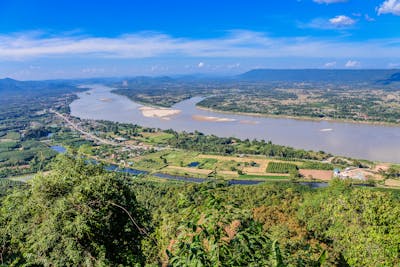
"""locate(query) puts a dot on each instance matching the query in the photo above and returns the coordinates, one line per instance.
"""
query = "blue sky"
(71, 39)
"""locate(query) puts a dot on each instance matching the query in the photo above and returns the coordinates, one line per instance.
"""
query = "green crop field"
(281, 167)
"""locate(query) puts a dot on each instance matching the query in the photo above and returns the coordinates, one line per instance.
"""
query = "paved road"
(96, 138)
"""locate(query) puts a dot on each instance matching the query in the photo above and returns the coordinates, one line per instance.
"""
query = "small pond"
(59, 149)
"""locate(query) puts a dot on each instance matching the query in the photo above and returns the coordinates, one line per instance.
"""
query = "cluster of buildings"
(350, 173)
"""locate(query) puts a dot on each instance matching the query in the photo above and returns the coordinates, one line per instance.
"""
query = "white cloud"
(368, 18)
(236, 44)
(329, 1)
(330, 64)
(394, 65)
(335, 23)
(342, 21)
(390, 7)
(200, 65)
(352, 64)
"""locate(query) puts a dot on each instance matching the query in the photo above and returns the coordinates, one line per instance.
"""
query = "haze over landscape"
(200, 133)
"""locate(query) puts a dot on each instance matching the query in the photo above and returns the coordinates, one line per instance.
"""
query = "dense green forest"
(81, 215)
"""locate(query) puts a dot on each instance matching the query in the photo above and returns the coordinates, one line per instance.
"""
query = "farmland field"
(281, 167)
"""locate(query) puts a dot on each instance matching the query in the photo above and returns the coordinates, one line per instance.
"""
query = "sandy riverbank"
(211, 119)
(249, 122)
(326, 130)
(162, 113)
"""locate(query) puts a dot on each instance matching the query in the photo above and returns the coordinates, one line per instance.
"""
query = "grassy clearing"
(165, 158)
(156, 138)
(12, 136)
(178, 172)
(149, 164)
(208, 163)
(152, 161)
(189, 170)
(395, 166)
(180, 158)
(21, 178)
(8, 145)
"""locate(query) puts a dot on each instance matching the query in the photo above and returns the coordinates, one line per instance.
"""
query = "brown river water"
(364, 141)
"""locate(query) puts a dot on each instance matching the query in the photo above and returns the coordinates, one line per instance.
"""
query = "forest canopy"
(80, 214)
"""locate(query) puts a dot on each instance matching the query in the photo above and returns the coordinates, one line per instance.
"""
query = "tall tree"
(77, 215)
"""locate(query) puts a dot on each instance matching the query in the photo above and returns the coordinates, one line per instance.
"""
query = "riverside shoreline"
(302, 118)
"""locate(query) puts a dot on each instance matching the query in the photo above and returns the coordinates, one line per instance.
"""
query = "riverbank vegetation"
(358, 105)
(356, 96)
(175, 153)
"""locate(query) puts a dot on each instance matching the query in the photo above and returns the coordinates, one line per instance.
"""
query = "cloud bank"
(236, 44)
(390, 7)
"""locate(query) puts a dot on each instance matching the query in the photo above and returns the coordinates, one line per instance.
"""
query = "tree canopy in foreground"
(73, 217)
(82, 215)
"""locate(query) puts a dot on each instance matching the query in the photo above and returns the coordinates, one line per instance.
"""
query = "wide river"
(373, 142)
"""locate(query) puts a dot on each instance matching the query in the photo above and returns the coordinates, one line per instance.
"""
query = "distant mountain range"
(319, 75)
(379, 76)
(299, 75)
(393, 78)
(10, 86)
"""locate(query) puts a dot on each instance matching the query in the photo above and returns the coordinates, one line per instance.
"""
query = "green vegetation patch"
(12, 136)
(317, 165)
(28, 150)
(268, 177)
(150, 164)
(179, 157)
(207, 164)
(125, 221)
(7, 185)
(7, 146)
(281, 167)
(70, 139)
(159, 138)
